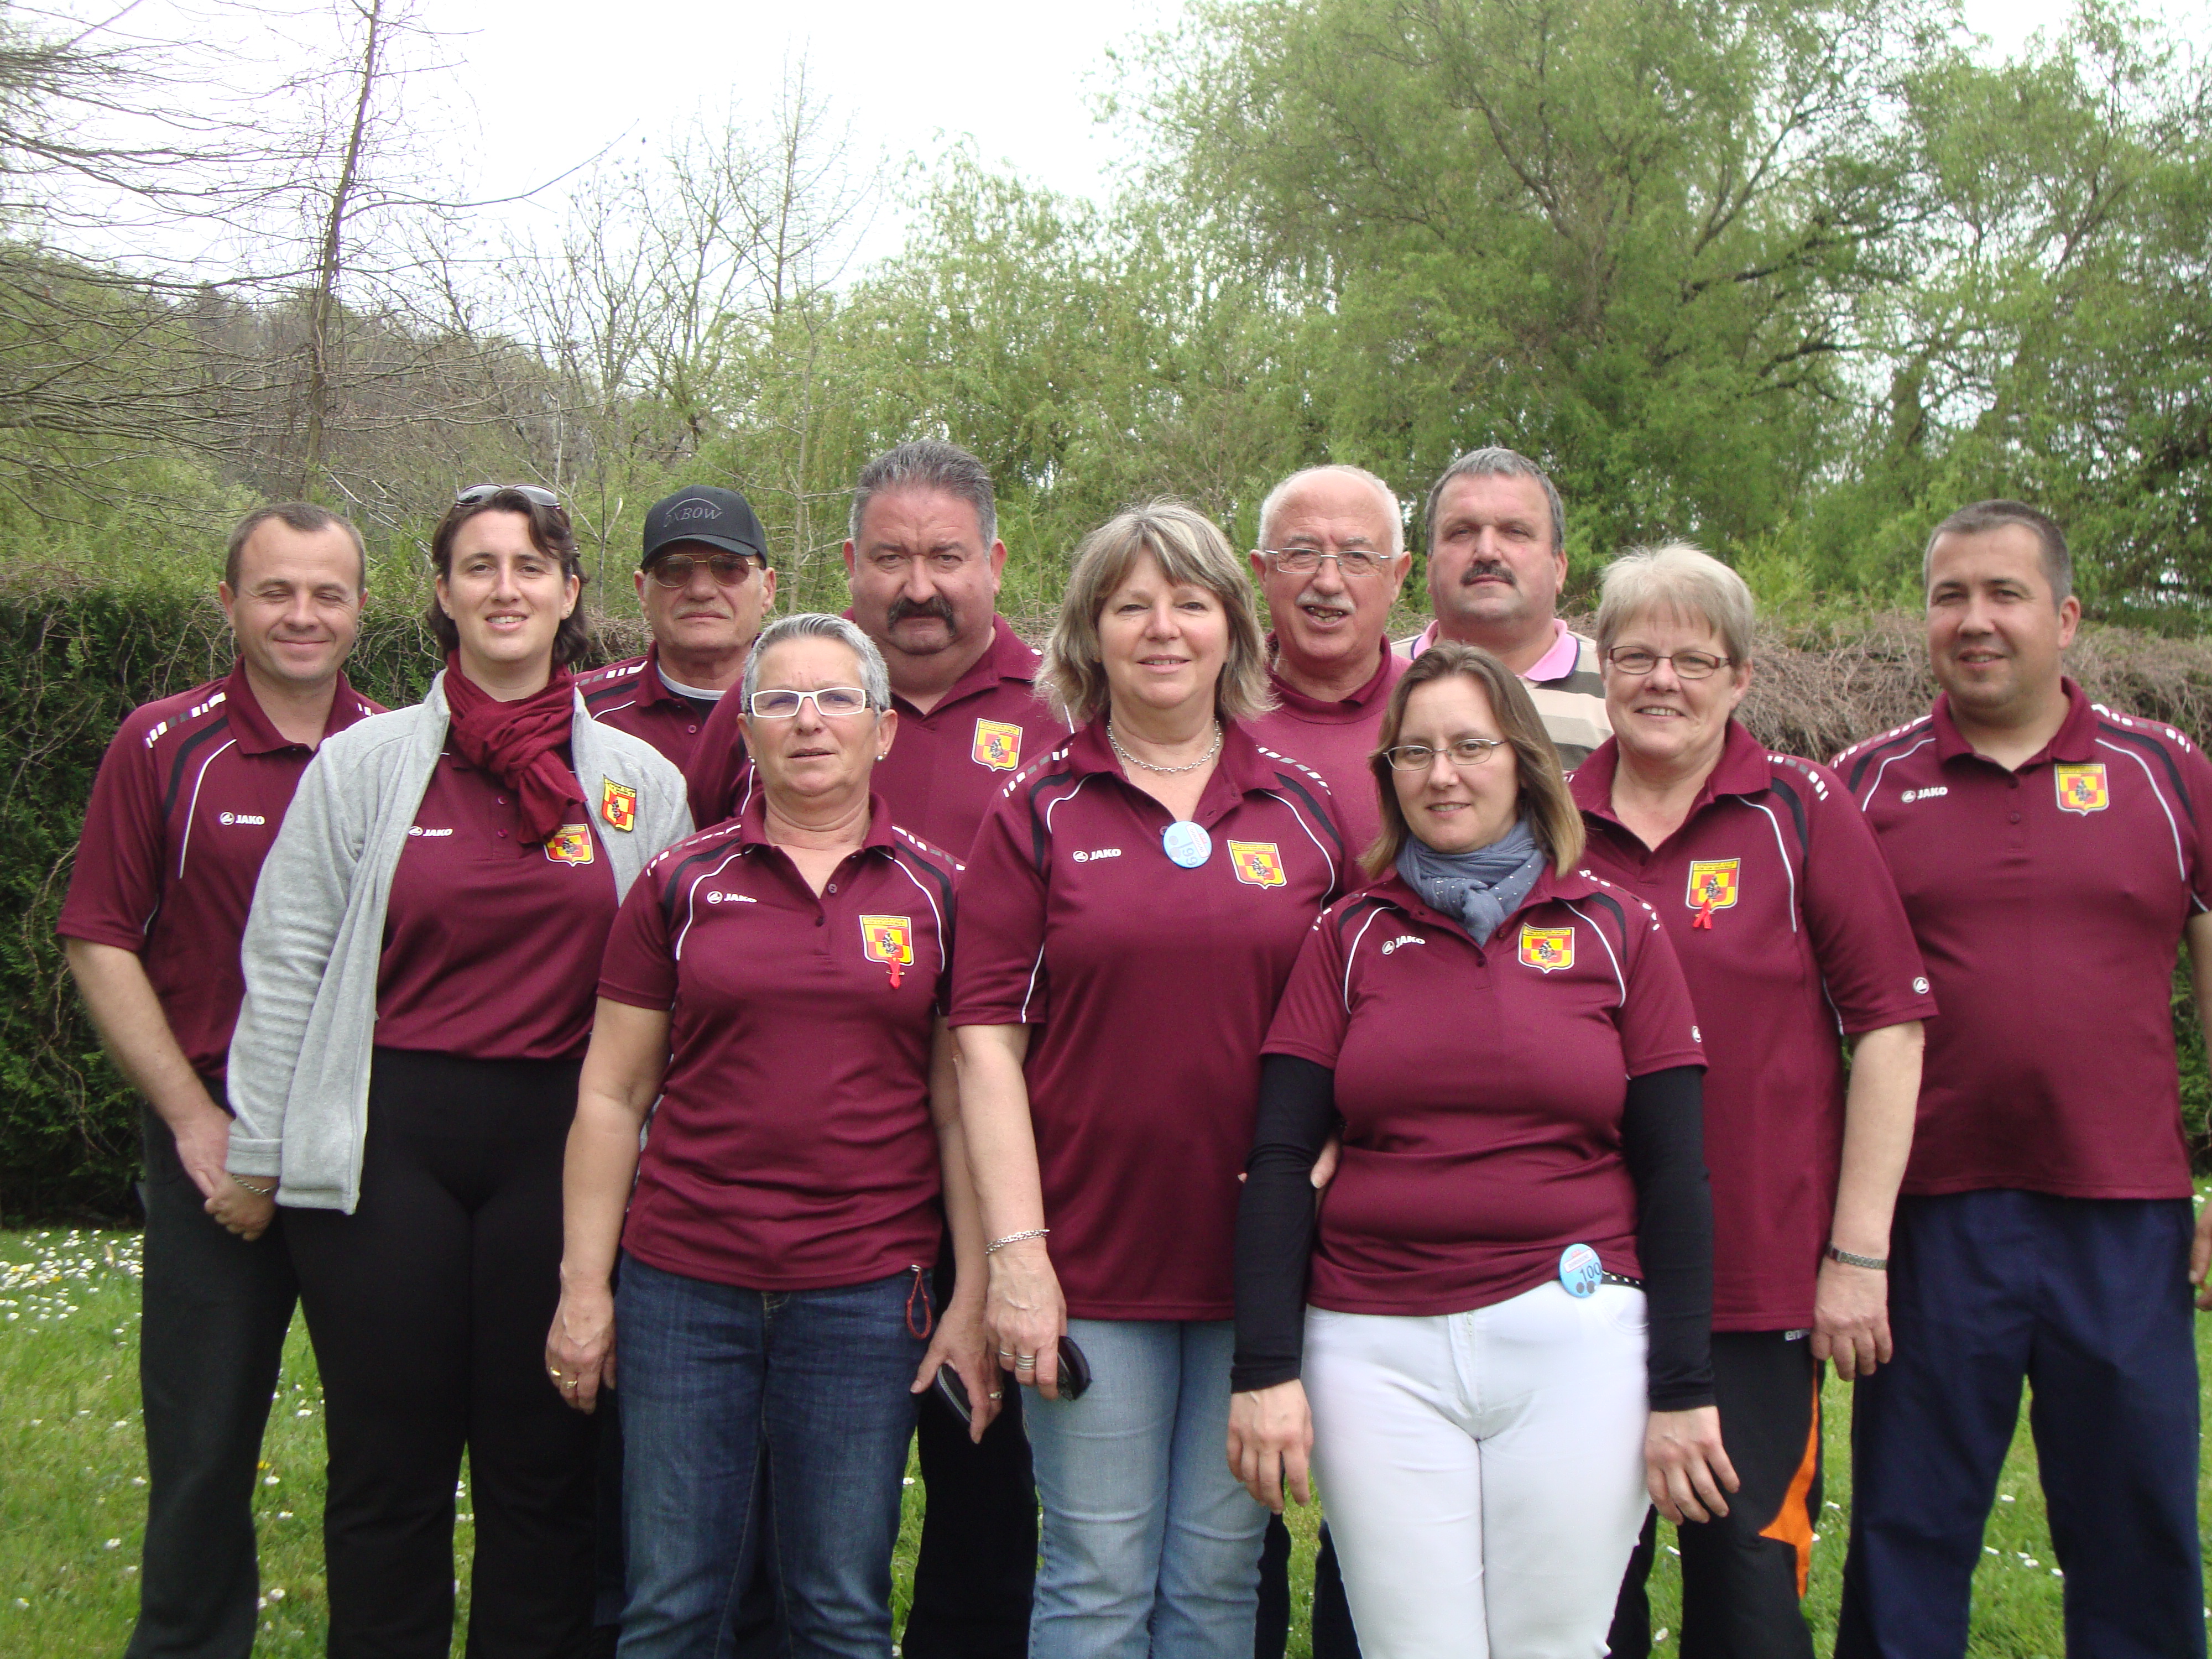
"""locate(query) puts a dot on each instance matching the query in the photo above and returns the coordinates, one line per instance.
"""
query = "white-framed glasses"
(831, 700)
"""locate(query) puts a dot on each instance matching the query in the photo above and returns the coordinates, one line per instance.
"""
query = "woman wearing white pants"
(1493, 1342)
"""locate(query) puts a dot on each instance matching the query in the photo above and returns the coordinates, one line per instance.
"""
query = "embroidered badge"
(619, 805)
(2082, 789)
(1712, 887)
(1549, 949)
(890, 940)
(1257, 863)
(570, 844)
(998, 746)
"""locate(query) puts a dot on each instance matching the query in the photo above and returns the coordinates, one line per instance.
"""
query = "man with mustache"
(705, 585)
(923, 563)
(1498, 558)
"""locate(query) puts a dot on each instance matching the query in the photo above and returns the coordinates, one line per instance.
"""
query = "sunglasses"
(484, 492)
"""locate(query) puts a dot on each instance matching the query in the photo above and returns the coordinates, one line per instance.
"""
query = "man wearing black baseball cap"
(706, 586)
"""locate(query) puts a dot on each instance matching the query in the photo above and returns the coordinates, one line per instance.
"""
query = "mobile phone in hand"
(954, 1392)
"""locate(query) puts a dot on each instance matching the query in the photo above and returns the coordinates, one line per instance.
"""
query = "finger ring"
(998, 1394)
(1005, 1354)
(555, 1375)
(1022, 1361)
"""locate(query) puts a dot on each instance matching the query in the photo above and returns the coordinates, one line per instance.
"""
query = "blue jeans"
(1150, 1547)
(708, 1373)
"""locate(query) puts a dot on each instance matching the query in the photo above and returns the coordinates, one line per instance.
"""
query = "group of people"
(1209, 1064)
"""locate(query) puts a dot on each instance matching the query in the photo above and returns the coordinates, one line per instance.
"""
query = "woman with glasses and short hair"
(777, 984)
(420, 961)
(1494, 1335)
(1781, 908)
(1130, 911)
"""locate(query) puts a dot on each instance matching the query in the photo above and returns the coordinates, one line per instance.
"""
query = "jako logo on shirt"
(417, 829)
(730, 898)
(1403, 938)
(1103, 852)
(1910, 795)
(239, 818)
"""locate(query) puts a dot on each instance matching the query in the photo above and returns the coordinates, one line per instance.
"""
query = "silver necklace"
(1164, 771)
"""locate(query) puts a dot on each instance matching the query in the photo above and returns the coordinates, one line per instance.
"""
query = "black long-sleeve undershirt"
(1662, 1142)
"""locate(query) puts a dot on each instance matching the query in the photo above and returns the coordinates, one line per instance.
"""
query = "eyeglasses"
(1305, 561)
(674, 569)
(1689, 664)
(831, 700)
(484, 492)
(1462, 752)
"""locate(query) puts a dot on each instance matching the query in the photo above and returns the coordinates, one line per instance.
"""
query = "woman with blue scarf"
(1491, 1339)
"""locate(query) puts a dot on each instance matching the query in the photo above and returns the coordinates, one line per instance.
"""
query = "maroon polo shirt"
(1151, 987)
(1782, 915)
(1481, 1086)
(793, 1148)
(2049, 903)
(1335, 739)
(631, 697)
(491, 942)
(186, 805)
(946, 768)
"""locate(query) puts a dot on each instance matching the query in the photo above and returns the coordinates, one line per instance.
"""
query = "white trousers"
(1483, 1472)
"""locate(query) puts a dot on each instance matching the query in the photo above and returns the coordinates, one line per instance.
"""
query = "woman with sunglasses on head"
(1788, 925)
(1492, 1341)
(1131, 911)
(777, 985)
(419, 962)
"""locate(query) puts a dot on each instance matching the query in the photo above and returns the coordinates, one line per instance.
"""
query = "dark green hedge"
(74, 658)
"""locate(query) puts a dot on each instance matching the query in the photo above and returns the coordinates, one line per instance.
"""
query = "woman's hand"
(1271, 1443)
(1686, 1468)
(1024, 1314)
(1850, 1319)
(244, 1212)
(580, 1349)
(962, 1343)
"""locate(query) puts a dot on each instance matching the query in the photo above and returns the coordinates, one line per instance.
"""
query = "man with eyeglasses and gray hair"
(705, 585)
(1498, 558)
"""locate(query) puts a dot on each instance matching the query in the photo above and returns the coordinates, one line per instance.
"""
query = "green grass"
(72, 1483)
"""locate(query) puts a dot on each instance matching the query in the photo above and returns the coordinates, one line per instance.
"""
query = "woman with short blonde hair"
(1128, 916)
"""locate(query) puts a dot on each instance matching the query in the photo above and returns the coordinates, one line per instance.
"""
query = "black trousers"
(210, 1345)
(977, 1570)
(1743, 1576)
(429, 1307)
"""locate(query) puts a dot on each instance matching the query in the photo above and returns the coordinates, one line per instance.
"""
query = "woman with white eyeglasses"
(777, 983)
(1496, 1332)
(419, 962)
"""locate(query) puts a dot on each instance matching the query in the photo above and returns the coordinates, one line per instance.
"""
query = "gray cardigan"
(299, 1062)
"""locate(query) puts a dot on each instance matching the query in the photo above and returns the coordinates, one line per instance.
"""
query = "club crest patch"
(1549, 949)
(1712, 887)
(617, 805)
(1257, 863)
(2083, 789)
(998, 746)
(890, 940)
(570, 844)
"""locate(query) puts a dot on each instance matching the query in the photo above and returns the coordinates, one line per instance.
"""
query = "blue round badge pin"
(1186, 843)
(1580, 1271)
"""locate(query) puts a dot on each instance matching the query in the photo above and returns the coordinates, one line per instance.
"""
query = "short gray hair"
(1497, 462)
(1386, 497)
(1983, 517)
(927, 464)
(1679, 577)
(875, 678)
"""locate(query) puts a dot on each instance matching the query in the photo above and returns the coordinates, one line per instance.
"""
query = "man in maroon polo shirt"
(185, 806)
(1331, 560)
(1498, 558)
(705, 585)
(2051, 856)
(923, 563)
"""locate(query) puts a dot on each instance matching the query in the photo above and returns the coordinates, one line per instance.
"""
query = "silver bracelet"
(1877, 1263)
(999, 1245)
(270, 1191)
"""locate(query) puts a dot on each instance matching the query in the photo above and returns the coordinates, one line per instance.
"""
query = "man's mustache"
(935, 605)
(1487, 567)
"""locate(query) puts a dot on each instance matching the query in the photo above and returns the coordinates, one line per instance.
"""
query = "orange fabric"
(1794, 1525)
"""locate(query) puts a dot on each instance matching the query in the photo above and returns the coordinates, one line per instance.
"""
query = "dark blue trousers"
(2089, 1299)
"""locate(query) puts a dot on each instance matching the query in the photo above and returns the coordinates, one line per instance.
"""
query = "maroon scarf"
(520, 744)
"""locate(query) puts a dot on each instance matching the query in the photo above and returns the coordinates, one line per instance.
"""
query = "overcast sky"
(545, 84)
